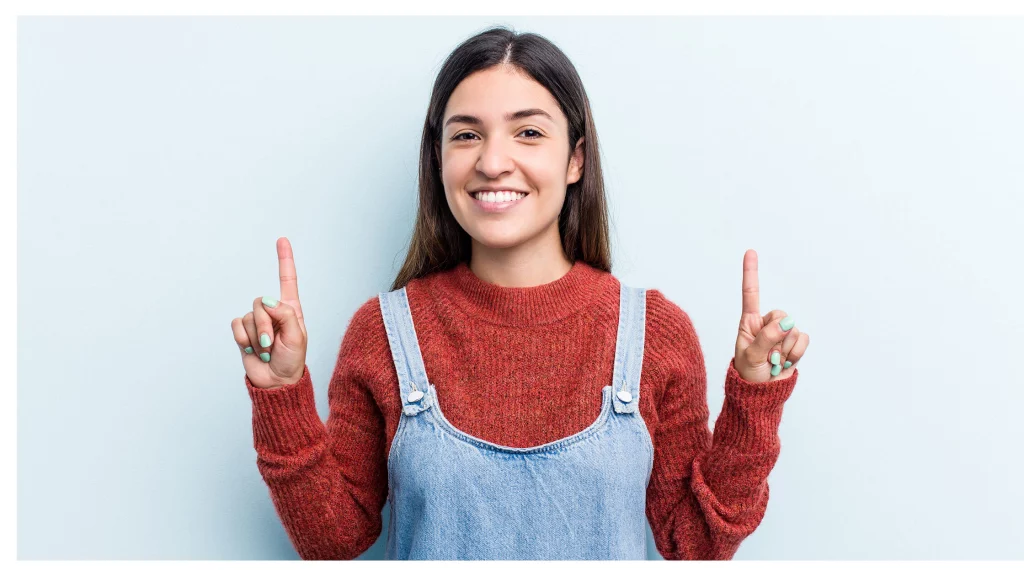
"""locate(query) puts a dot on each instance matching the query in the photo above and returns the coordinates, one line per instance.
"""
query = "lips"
(476, 193)
(497, 206)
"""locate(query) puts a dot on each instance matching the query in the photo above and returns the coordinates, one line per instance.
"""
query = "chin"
(499, 244)
(498, 241)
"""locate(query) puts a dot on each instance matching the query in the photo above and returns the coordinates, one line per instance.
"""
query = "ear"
(575, 169)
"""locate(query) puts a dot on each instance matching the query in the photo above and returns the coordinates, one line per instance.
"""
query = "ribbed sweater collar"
(530, 306)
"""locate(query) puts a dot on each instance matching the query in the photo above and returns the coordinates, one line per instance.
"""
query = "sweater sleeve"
(708, 492)
(328, 482)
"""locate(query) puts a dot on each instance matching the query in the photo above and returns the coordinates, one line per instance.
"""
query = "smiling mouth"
(497, 203)
(498, 197)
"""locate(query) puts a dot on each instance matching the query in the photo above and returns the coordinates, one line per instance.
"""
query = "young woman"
(509, 397)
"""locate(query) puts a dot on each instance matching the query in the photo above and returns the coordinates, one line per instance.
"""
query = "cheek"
(549, 181)
(457, 168)
(545, 168)
(552, 201)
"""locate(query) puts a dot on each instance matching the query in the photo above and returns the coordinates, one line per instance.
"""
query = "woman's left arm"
(708, 492)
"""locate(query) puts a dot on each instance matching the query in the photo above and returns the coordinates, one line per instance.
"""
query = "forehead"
(492, 93)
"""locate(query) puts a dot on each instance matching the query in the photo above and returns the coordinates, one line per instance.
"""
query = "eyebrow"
(467, 119)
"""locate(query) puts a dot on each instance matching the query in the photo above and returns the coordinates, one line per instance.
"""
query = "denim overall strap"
(405, 351)
(629, 348)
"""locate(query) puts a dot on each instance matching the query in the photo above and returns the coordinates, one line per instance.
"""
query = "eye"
(459, 137)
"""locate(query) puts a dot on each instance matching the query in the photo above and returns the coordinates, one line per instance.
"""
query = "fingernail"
(270, 301)
(787, 364)
(776, 358)
(265, 356)
(264, 340)
(786, 323)
(248, 349)
(776, 369)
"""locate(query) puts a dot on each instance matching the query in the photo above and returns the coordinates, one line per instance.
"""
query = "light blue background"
(875, 164)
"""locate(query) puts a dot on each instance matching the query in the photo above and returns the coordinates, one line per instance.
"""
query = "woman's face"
(483, 147)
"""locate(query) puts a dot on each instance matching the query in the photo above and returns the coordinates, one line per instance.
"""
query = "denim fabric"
(455, 496)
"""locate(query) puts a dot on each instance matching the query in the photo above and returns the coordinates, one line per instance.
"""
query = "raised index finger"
(751, 298)
(286, 270)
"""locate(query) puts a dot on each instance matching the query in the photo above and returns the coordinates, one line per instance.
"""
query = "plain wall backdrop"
(874, 163)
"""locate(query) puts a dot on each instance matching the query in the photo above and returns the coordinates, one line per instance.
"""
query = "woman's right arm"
(328, 483)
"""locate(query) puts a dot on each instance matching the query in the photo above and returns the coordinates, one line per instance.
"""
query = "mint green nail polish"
(265, 356)
(787, 364)
(264, 340)
(786, 323)
(776, 358)
(270, 301)
(248, 349)
(776, 369)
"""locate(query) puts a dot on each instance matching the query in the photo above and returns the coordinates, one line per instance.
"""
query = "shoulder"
(664, 314)
(670, 337)
(364, 349)
(365, 337)
(368, 319)
(368, 316)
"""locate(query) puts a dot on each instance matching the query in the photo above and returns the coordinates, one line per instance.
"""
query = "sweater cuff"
(285, 420)
(752, 412)
(759, 396)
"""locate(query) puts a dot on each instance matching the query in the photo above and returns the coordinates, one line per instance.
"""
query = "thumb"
(286, 323)
(770, 336)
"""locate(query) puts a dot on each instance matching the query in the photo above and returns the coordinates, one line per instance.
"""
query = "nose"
(495, 158)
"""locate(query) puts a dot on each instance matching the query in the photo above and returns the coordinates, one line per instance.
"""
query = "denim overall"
(454, 496)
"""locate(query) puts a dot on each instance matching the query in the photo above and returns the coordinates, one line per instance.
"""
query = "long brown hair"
(438, 241)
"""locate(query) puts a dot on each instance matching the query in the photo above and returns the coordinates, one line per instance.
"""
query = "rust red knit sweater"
(520, 367)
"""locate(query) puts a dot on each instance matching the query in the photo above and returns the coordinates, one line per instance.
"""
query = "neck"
(529, 264)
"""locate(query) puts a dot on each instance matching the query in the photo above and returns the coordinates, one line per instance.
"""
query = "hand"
(762, 336)
(282, 360)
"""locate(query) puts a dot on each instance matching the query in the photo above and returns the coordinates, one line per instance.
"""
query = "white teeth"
(498, 197)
